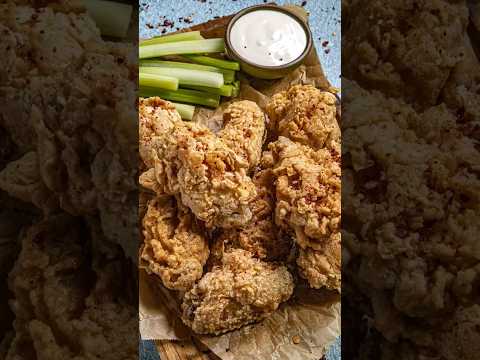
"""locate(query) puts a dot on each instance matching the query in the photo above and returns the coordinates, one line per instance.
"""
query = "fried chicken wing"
(308, 206)
(240, 291)
(157, 120)
(322, 267)
(244, 130)
(213, 180)
(305, 115)
(406, 49)
(69, 304)
(261, 236)
(189, 160)
(175, 247)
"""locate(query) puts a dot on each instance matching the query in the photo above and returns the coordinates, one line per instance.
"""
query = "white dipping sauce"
(268, 38)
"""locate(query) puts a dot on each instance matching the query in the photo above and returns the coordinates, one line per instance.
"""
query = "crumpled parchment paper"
(302, 328)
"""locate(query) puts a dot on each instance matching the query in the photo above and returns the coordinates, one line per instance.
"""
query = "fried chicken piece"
(77, 112)
(322, 268)
(411, 192)
(244, 130)
(157, 120)
(305, 115)
(240, 291)
(195, 163)
(307, 191)
(261, 236)
(175, 247)
(212, 179)
(308, 206)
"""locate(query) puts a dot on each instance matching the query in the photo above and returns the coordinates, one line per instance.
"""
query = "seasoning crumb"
(325, 43)
(296, 339)
(334, 34)
(304, 3)
(327, 51)
(150, 26)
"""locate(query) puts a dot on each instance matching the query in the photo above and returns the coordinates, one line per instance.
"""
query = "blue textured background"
(325, 17)
(325, 23)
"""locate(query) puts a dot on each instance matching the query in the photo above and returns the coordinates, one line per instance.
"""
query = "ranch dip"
(268, 38)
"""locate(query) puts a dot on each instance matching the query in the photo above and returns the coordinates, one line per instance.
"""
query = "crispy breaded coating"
(306, 115)
(157, 146)
(68, 303)
(406, 49)
(240, 291)
(261, 236)
(175, 247)
(244, 130)
(213, 180)
(322, 268)
(308, 206)
(413, 217)
(307, 191)
(191, 161)
(157, 120)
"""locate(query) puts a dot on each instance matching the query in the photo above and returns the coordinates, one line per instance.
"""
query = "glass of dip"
(268, 41)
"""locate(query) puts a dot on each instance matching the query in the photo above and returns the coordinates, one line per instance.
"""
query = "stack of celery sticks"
(176, 68)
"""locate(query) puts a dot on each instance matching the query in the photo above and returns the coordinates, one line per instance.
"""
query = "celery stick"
(182, 95)
(236, 88)
(182, 47)
(206, 60)
(158, 81)
(228, 75)
(225, 90)
(185, 111)
(112, 18)
(185, 36)
(187, 77)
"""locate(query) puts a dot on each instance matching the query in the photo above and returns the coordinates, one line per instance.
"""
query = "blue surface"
(325, 24)
(324, 18)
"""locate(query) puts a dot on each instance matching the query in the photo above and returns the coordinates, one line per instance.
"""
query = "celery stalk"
(236, 88)
(186, 76)
(228, 75)
(182, 95)
(184, 36)
(112, 18)
(158, 81)
(185, 111)
(225, 90)
(182, 47)
(206, 60)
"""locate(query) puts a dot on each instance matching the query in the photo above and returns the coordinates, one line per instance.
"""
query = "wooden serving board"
(183, 350)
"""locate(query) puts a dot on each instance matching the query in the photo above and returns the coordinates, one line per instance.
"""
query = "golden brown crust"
(308, 206)
(240, 291)
(175, 247)
(306, 115)
(244, 130)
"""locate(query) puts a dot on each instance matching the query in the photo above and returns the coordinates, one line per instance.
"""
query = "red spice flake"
(325, 43)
